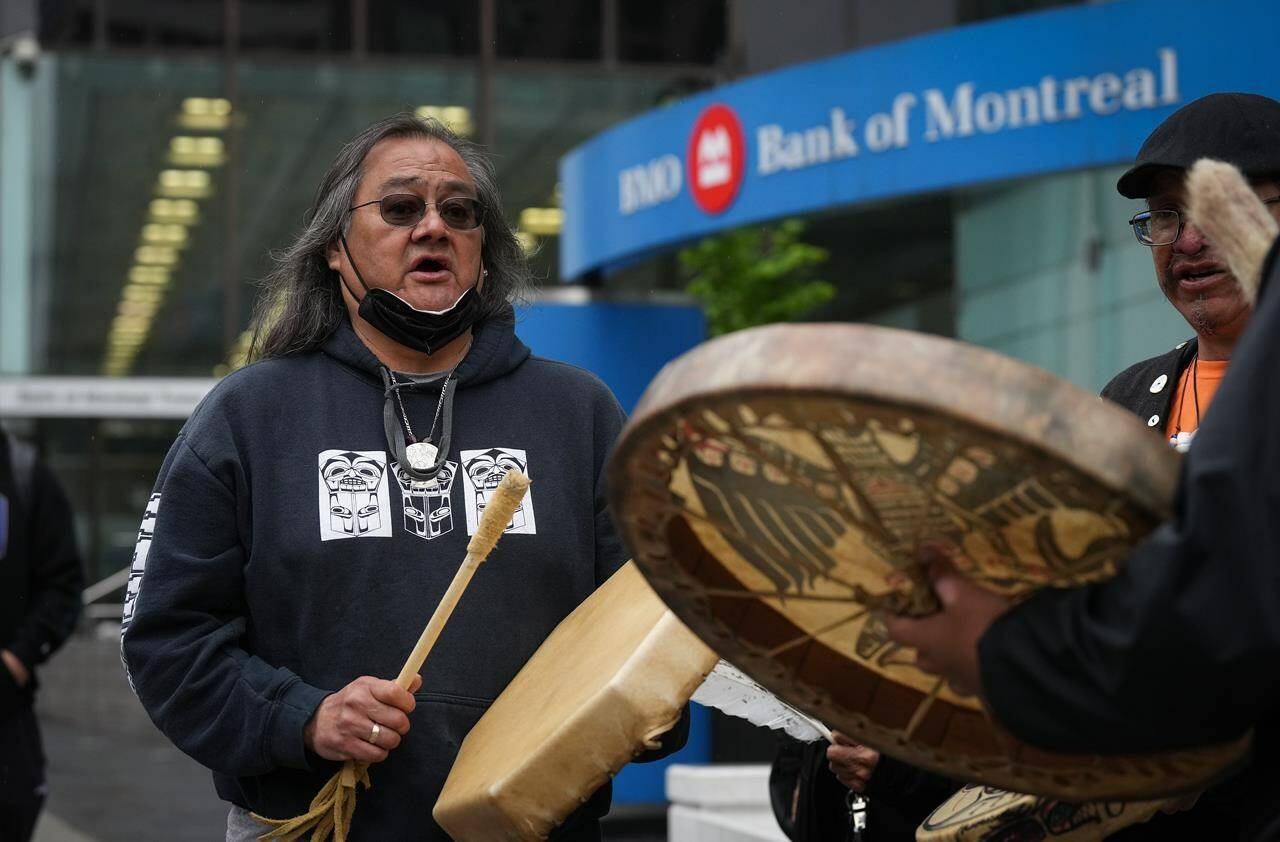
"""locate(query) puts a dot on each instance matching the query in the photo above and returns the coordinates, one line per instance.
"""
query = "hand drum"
(776, 485)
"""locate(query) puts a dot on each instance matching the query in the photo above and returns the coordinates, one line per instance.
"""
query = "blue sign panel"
(1060, 90)
(625, 344)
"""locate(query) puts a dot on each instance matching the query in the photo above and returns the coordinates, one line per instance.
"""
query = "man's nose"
(1190, 241)
(431, 226)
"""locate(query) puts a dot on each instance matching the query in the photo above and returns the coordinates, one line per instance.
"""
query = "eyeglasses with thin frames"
(1164, 227)
(405, 210)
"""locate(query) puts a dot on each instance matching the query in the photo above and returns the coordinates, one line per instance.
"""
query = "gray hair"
(301, 304)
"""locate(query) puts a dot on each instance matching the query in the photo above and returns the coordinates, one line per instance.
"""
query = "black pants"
(18, 821)
(21, 769)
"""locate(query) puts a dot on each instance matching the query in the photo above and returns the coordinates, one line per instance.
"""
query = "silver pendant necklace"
(422, 454)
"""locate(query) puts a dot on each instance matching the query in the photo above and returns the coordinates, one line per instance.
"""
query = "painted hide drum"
(776, 485)
(612, 677)
(984, 814)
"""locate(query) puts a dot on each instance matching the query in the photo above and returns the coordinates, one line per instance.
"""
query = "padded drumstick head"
(497, 514)
(1223, 205)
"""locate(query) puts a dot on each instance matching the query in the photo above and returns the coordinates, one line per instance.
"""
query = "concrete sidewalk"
(109, 787)
(113, 777)
(53, 829)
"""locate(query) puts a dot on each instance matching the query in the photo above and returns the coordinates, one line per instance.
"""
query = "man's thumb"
(902, 630)
(946, 583)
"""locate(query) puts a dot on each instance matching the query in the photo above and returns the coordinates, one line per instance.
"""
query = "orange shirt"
(1183, 416)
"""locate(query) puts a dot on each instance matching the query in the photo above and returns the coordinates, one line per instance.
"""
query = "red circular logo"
(716, 158)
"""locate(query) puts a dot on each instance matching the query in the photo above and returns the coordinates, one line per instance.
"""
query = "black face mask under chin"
(423, 330)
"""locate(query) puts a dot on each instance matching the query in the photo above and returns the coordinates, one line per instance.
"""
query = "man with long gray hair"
(318, 502)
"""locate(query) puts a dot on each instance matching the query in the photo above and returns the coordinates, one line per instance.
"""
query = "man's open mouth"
(430, 264)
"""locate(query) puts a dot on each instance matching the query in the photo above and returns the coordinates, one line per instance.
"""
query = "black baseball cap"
(1241, 129)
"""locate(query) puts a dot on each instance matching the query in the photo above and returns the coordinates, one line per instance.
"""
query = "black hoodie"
(280, 559)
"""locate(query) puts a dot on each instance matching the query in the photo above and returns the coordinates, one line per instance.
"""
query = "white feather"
(730, 690)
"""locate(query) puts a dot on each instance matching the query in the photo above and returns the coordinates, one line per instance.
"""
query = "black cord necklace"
(1195, 386)
(1182, 440)
(1195, 393)
(420, 458)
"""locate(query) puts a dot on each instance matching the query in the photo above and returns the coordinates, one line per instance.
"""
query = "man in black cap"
(1171, 392)
(1181, 648)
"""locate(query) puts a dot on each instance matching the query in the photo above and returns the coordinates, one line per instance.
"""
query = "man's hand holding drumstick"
(363, 721)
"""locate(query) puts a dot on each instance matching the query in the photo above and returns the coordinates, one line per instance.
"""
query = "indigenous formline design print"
(482, 470)
(354, 498)
(137, 567)
(427, 506)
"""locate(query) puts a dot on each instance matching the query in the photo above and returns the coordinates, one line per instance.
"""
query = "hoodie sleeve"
(184, 616)
(610, 552)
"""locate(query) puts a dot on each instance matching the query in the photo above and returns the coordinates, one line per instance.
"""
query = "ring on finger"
(373, 735)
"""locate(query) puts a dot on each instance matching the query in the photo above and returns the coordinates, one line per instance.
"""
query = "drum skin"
(982, 814)
(612, 677)
(777, 484)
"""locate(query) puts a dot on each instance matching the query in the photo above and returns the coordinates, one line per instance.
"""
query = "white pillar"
(720, 803)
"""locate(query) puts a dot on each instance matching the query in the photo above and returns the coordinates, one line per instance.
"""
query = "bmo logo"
(650, 184)
(716, 159)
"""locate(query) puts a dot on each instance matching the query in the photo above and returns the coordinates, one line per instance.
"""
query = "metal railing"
(96, 591)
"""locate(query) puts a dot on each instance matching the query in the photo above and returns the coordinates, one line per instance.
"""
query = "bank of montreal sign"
(1040, 93)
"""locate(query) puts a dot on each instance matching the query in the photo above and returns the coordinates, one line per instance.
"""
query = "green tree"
(754, 276)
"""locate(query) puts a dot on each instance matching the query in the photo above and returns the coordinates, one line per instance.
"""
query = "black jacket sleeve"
(902, 796)
(1180, 649)
(57, 575)
(807, 800)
